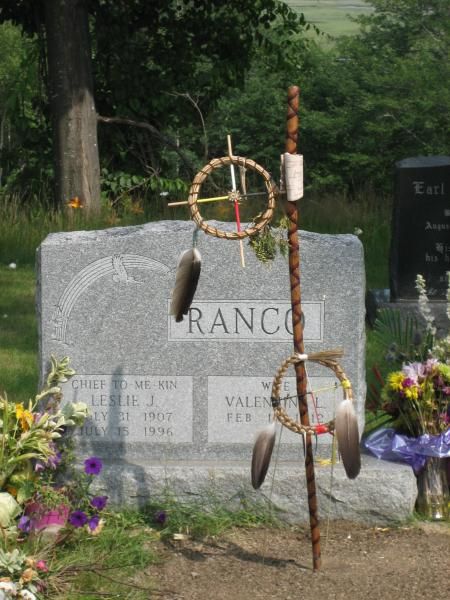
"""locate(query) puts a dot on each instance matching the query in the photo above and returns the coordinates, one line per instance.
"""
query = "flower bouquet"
(28, 436)
(416, 398)
(72, 504)
(21, 575)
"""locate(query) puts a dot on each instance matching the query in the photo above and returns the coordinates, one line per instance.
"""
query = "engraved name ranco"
(246, 321)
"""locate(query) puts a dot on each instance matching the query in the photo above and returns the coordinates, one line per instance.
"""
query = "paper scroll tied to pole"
(293, 176)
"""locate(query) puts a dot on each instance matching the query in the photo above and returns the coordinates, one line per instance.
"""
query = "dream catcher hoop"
(233, 196)
(189, 264)
(344, 425)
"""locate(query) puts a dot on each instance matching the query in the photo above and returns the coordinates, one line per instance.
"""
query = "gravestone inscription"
(161, 392)
(420, 241)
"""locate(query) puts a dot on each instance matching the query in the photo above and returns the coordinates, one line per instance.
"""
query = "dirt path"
(358, 563)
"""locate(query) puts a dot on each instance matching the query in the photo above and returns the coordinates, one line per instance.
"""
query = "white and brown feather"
(347, 433)
(186, 280)
(262, 453)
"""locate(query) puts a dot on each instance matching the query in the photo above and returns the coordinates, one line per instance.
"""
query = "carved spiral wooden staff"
(299, 347)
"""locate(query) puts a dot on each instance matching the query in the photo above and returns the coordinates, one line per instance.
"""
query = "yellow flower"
(395, 381)
(30, 561)
(28, 575)
(11, 490)
(411, 393)
(24, 416)
(75, 202)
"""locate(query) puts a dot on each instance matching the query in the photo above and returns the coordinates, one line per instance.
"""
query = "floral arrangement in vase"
(415, 398)
(54, 507)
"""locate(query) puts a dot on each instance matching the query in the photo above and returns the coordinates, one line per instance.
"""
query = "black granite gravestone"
(420, 240)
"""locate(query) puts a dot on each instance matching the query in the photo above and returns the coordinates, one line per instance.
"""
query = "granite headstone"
(420, 241)
(178, 404)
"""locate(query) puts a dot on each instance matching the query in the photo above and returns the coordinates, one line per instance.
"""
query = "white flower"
(12, 265)
(8, 589)
(27, 595)
(424, 306)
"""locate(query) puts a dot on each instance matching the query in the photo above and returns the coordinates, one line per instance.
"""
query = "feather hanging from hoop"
(262, 453)
(186, 279)
(346, 426)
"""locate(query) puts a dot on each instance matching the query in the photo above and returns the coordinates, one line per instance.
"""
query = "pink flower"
(430, 364)
(413, 371)
(41, 565)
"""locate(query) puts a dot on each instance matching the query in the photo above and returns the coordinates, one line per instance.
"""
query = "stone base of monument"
(383, 493)
(380, 298)
(438, 310)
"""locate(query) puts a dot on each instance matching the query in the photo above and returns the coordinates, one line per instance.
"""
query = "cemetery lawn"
(18, 333)
(358, 562)
(331, 16)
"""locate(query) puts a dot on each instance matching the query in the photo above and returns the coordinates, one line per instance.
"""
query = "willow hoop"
(279, 412)
(200, 178)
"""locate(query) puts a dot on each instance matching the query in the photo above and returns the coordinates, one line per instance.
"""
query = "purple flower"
(25, 524)
(93, 465)
(93, 522)
(54, 460)
(99, 502)
(408, 382)
(160, 517)
(78, 518)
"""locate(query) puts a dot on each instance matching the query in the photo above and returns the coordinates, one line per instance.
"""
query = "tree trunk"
(74, 118)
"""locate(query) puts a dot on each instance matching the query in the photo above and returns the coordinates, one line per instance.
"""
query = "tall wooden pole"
(294, 274)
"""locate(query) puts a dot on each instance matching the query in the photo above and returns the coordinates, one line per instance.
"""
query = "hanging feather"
(262, 452)
(186, 279)
(346, 426)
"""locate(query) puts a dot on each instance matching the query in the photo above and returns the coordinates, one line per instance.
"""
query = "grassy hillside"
(331, 16)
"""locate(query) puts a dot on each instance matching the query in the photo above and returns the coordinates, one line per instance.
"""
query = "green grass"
(208, 516)
(331, 16)
(22, 228)
(369, 214)
(108, 565)
(18, 333)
